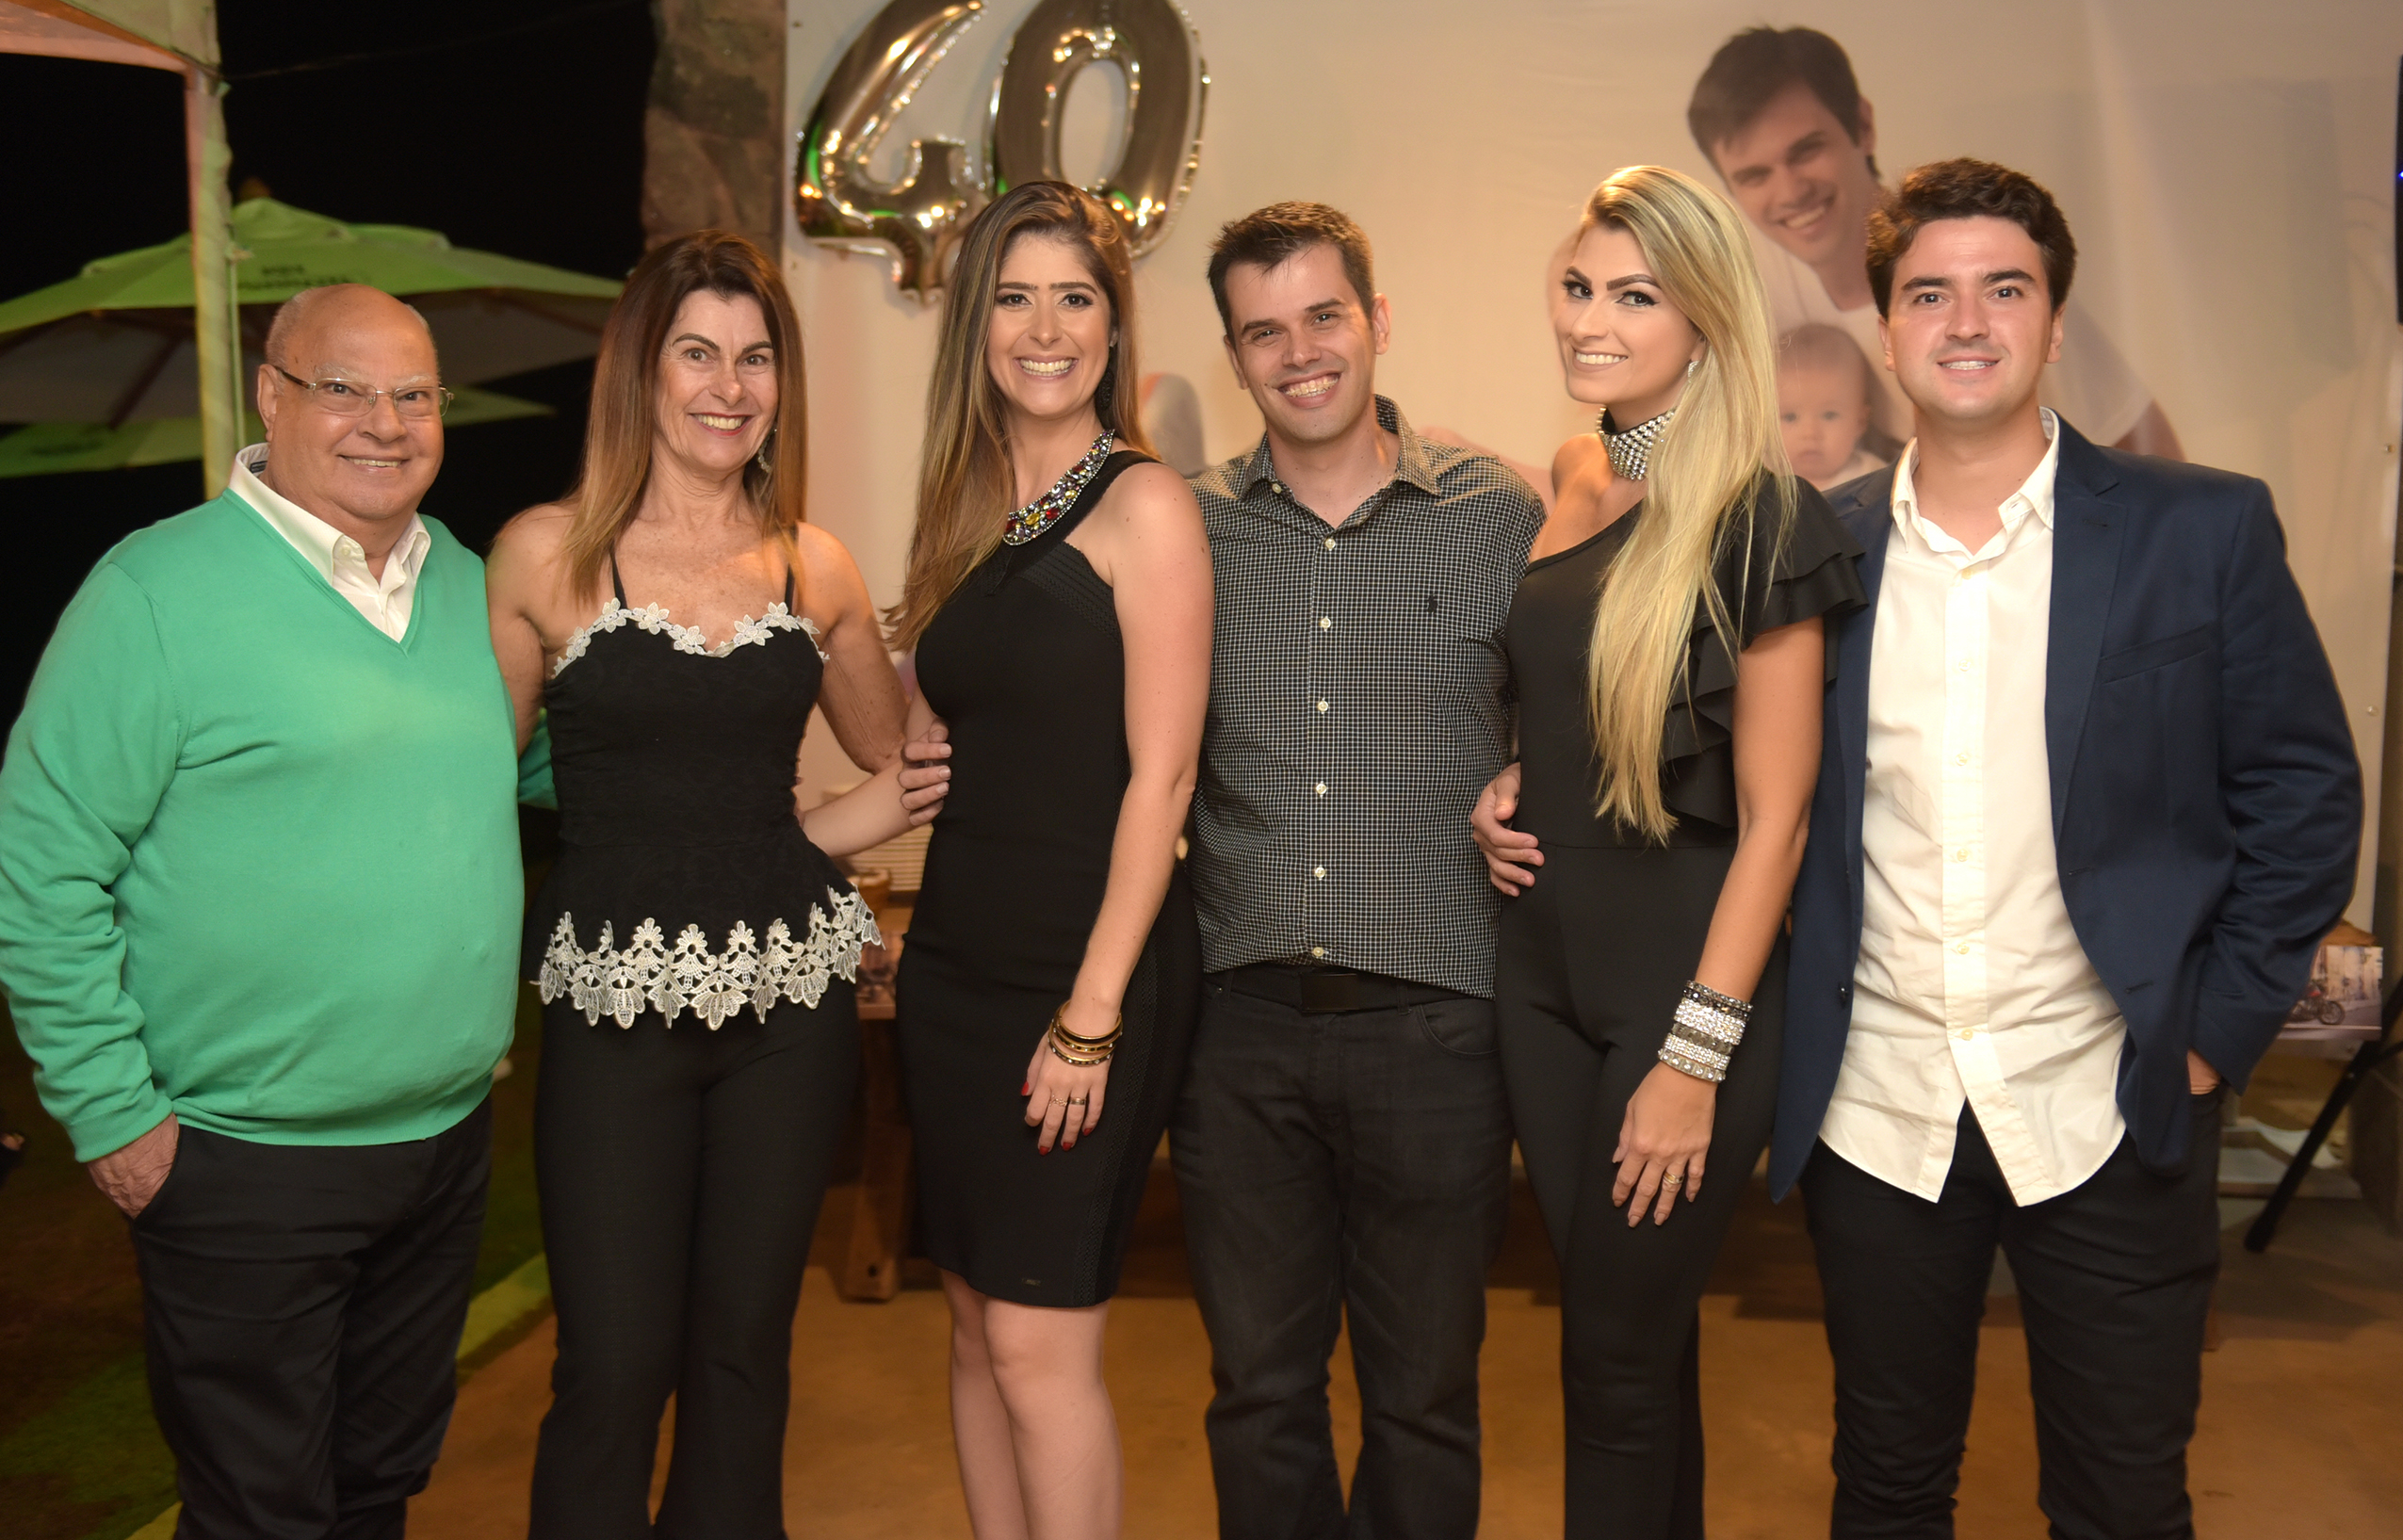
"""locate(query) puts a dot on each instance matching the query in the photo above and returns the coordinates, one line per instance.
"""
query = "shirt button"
(1961, 854)
(1318, 952)
(1330, 542)
(1322, 705)
(1962, 948)
(1960, 760)
(1325, 624)
(1967, 1033)
(1318, 871)
(1322, 789)
(1962, 665)
(1277, 487)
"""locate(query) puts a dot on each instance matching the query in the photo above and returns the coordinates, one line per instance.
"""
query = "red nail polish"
(1026, 1090)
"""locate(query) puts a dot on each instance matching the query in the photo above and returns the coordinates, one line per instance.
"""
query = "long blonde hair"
(617, 443)
(964, 480)
(1705, 473)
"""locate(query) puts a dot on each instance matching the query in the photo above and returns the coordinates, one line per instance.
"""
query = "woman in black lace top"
(694, 945)
(1666, 647)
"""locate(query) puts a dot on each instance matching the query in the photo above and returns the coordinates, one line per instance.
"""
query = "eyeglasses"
(346, 400)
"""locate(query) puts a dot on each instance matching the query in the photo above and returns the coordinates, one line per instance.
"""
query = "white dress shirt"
(384, 600)
(1971, 984)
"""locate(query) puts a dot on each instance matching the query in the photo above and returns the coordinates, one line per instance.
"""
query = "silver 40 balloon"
(919, 218)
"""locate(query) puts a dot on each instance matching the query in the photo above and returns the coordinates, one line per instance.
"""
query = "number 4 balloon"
(920, 218)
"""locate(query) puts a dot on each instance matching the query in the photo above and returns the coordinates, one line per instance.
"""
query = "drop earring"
(766, 466)
(1691, 365)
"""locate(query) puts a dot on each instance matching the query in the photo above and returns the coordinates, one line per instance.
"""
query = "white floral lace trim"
(688, 639)
(620, 983)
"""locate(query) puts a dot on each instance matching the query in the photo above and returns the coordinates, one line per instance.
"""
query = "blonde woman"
(1059, 597)
(1667, 645)
(695, 944)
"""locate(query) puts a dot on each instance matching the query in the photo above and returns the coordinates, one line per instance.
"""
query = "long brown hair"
(617, 444)
(964, 480)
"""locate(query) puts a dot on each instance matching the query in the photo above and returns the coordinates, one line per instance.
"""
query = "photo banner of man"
(1783, 120)
(2231, 186)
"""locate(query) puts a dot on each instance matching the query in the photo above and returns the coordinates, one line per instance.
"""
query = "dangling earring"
(1691, 365)
(1106, 390)
(766, 466)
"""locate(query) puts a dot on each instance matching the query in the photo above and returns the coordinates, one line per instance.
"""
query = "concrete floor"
(2297, 1437)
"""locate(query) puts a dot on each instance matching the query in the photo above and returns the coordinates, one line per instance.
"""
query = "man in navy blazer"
(2087, 806)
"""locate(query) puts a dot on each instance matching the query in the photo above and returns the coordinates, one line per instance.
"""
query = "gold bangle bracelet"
(1059, 1025)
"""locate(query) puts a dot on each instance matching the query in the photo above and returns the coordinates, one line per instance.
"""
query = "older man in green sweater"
(259, 897)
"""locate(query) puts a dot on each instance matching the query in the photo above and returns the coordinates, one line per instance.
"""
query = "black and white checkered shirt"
(1358, 705)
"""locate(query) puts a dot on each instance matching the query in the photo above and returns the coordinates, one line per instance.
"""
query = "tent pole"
(207, 159)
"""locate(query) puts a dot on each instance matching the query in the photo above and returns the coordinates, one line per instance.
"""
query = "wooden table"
(880, 1218)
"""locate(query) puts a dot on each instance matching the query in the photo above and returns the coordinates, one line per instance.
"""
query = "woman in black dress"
(1059, 597)
(694, 945)
(1666, 646)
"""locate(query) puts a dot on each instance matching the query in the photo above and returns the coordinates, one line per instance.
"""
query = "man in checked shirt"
(1342, 1145)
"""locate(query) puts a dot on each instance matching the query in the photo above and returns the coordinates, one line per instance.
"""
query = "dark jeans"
(2114, 1283)
(680, 1172)
(1330, 1164)
(302, 1305)
(1581, 1031)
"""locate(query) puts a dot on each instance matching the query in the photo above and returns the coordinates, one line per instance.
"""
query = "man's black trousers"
(1348, 1163)
(302, 1306)
(2114, 1281)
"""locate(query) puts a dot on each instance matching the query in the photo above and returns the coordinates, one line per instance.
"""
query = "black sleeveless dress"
(684, 890)
(1025, 664)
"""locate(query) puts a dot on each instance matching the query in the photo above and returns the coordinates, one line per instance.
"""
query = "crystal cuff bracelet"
(1702, 993)
(1673, 1054)
(1713, 1024)
(1699, 1052)
(1704, 1031)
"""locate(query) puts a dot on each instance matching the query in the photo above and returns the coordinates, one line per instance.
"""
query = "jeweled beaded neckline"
(1631, 452)
(1022, 524)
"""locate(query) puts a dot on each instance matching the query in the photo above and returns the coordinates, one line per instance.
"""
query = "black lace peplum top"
(684, 883)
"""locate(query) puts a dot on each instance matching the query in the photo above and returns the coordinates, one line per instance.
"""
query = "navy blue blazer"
(2206, 799)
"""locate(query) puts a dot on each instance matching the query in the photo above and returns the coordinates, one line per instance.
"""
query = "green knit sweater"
(258, 861)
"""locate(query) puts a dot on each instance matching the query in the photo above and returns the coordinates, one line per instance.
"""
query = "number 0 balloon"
(1157, 48)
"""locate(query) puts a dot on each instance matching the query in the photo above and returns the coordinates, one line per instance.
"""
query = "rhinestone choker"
(1631, 452)
(1022, 524)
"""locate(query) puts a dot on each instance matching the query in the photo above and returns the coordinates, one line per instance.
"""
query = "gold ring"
(1671, 1182)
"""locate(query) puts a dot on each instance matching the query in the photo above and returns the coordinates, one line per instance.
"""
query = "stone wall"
(713, 139)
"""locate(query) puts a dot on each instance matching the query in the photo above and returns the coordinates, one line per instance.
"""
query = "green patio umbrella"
(113, 345)
(48, 447)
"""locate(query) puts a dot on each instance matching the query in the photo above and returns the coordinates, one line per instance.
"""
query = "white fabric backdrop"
(2227, 170)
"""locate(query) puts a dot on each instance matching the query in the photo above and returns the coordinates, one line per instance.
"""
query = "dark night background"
(514, 128)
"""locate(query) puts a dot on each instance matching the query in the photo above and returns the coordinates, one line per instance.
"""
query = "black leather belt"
(1319, 991)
